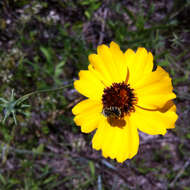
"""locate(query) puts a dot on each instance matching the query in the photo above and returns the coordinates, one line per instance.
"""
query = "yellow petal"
(100, 77)
(99, 135)
(119, 143)
(88, 115)
(89, 85)
(109, 64)
(153, 122)
(119, 60)
(129, 57)
(139, 64)
(154, 90)
(169, 107)
(106, 56)
(84, 106)
(97, 64)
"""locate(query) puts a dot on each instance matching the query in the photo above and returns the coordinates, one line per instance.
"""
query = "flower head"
(124, 95)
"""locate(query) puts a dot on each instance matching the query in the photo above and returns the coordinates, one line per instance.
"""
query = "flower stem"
(26, 96)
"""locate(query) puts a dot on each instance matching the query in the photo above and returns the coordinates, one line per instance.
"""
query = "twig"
(103, 20)
(187, 163)
(172, 139)
(26, 96)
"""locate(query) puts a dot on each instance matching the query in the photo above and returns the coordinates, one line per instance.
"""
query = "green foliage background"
(44, 44)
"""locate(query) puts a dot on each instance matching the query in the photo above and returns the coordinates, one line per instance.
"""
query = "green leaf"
(46, 53)
(130, 14)
(3, 100)
(58, 68)
(188, 135)
(50, 179)
(2, 179)
(92, 169)
(39, 149)
(87, 14)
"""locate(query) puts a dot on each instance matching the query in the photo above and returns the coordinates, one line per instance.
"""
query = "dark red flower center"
(118, 100)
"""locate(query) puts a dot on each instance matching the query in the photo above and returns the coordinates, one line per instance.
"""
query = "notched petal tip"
(141, 50)
(150, 60)
(73, 111)
(77, 121)
(175, 118)
(85, 129)
(82, 73)
(164, 132)
(101, 49)
(75, 84)
(150, 56)
(123, 158)
(91, 58)
(129, 52)
(114, 45)
(120, 160)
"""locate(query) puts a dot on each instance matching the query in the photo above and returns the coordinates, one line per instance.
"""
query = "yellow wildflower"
(124, 95)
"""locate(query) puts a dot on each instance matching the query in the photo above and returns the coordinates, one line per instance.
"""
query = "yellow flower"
(124, 95)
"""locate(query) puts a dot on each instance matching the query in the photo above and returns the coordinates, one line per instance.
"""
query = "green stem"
(26, 96)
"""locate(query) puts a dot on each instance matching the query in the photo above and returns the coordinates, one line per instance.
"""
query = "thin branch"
(103, 20)
(26, 96)
(187, 163)
(150, 141)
